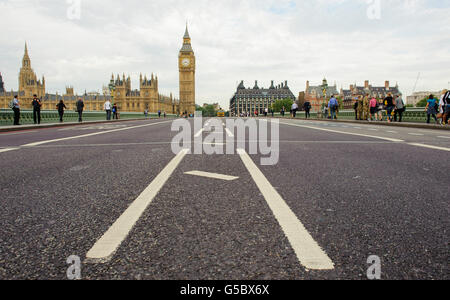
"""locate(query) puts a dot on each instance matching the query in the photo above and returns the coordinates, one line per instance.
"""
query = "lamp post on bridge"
(112, 89)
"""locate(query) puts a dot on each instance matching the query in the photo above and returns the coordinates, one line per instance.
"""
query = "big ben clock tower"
(186, 64)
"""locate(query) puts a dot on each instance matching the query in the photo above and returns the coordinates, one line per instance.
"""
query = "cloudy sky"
(346, 41)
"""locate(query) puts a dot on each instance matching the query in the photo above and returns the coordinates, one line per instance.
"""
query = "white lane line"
(230, 134)
(444, 137)
(416, 134)
(7, 149)
(373, 129)
(349, 133)
(212, 175)
(198, 134)
(106, 246)
(308, 252)
(429, 146)
(392, 131)
(91, 134)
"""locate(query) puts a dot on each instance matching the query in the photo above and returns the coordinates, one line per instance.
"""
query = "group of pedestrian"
(439, 109)
(369, 108)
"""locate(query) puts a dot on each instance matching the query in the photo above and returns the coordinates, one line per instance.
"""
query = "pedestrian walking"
(146, 113)
(165, 115)
(380, 110)
(333, 106)
(266, 112)
(444, 106)
(431, 109)
(80, 107)
(399, 108)
(294, 109)
(36, 103)
(159, 113)
(15, 106)
(373, 104)
(307, 108)
(115, 111)
(283, 111)
(389, 103)
(355, 108)
(366, 107)
(273, 112)
(107, 107)
(61, 106)
(360, 108)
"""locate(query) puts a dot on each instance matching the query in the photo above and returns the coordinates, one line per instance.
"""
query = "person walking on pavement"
(389, 103)
(159, 114)
(307, 108)
(36, 103)
(165, 114)
(333, 106)
(366, 107)
(107, 107)
(431, 109)
(146, 113)
(80, 107)
(61, 106)
(283, 111)
(16, 109)
(373, 104)
(266, 112)
(444, 105)
(115, 111)
(294, 110)
(360, 108)
(399, 108)
(355, 107)
(380, 110)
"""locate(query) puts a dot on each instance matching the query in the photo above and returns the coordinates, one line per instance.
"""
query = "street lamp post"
(112, 88)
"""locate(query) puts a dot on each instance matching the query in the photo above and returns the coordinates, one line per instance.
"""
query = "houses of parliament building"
(127, 99)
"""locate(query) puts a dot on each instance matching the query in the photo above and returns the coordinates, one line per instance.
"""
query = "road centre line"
(349, 133)
(212, 175)
(107, 245)
(444, 137)
(230, 134)
(416, 134)
(91, 134)
(308, 252)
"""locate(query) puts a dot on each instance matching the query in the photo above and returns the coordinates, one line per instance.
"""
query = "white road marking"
(107, 245)
(212, 175)
(308, 252)
(91, 134)
(444, 137)
(349, 133)
(7, 149)
(416, 134)
(429, 146)
(373, 129)
(199, 133)
(392, 131)
(230, 134)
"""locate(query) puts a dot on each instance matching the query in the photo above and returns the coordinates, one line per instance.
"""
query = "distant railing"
(52, 116)
(414, 115)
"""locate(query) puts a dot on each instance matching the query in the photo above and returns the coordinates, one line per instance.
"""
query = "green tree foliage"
(278, 105)
(422, 103)
(207, 111)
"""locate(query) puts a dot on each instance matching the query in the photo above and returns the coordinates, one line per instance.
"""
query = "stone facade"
(314, 94)
(186, 65)
(258, 99)
(147, 97)
(351, 95)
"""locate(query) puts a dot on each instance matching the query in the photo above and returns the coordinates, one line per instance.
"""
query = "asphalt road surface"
(119, 198)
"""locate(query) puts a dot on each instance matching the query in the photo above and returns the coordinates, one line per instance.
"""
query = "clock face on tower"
(186, 62)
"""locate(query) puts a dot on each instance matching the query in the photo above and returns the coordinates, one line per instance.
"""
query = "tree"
(422, 103)
(278, 105)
